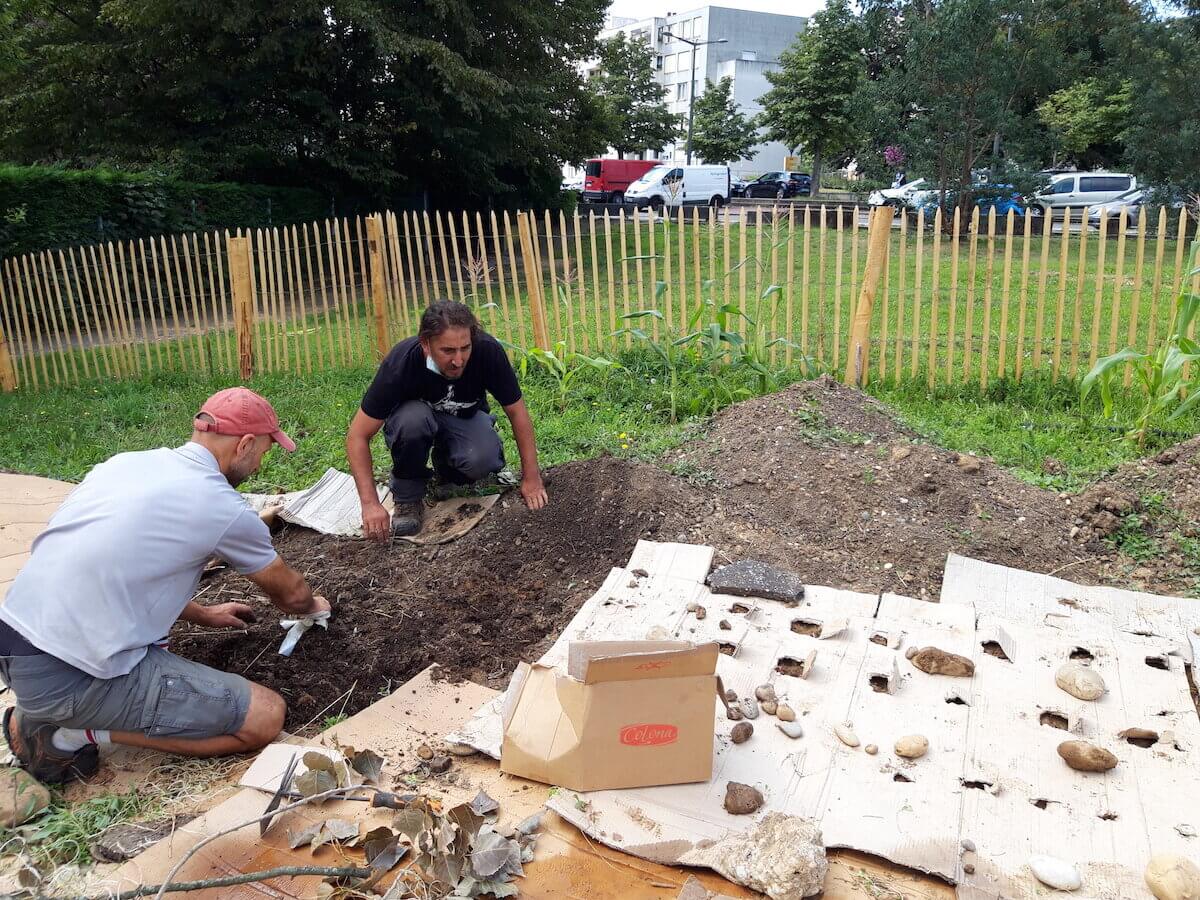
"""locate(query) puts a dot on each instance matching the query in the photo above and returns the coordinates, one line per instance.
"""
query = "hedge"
(44, 207)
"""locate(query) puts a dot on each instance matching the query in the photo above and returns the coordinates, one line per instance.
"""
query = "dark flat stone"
(753, 578)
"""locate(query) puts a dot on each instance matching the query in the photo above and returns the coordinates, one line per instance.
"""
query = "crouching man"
(84, 626)
(429, 394)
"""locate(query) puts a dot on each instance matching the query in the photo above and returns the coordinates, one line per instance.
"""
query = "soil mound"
(476, 606)
(819, 478)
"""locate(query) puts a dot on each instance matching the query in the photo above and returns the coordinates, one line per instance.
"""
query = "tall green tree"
(365, 97)
(1089, 119)
(720, 132)
(809, 103)
(635, 104)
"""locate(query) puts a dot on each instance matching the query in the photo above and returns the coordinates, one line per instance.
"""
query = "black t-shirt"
(403, 376)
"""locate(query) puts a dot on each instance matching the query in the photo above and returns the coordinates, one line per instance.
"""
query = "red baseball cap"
(237, 411)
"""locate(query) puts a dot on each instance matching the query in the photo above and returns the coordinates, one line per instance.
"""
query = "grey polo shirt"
(122, 556)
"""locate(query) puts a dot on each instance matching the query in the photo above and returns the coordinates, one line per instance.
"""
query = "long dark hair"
(443, 314)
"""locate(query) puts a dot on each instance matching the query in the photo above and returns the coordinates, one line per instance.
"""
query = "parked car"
(1004, 198)
(607, 180)
(774, 184)
(573, 184)
(680, 186)
(911, 193)
(1083, 189)
(1131, 201)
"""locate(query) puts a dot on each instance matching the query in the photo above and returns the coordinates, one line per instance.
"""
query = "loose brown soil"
(818, 478)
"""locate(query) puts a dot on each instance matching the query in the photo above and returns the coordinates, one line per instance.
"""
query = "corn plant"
(1162, 375)
(562, 366)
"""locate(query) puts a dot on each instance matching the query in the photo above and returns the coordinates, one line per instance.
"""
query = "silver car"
(1131, 201)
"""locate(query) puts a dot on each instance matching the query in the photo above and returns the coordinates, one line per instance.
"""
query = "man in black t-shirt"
(430, 393)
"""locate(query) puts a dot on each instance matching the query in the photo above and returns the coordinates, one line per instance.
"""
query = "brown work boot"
(31, 744)
(407, 518)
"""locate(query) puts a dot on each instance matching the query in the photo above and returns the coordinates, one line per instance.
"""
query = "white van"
(1083, 189)
(671, 186)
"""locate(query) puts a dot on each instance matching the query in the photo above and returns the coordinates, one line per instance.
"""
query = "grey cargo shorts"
(164, 696)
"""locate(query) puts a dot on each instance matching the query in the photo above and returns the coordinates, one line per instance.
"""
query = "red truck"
(605, 180)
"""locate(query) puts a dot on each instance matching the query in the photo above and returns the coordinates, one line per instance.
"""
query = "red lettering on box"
(650, 666)
(649, 735)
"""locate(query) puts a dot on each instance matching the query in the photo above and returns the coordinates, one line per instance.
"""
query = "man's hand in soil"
(228, 615)
(377, 524)
(320, 605)
(533, 492)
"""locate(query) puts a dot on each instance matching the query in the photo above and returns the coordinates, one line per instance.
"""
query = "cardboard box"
(625, 714)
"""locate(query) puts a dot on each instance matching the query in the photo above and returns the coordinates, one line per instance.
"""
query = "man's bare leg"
(264, 720)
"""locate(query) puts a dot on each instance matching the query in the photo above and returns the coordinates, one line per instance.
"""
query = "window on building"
(696, 27)
(658, 62)
(681, 91)
(750, 55)
(668, 62)
(684, 60)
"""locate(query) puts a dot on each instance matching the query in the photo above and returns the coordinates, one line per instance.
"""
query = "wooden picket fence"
(972, 301)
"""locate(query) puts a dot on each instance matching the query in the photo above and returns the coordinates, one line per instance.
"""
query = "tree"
(634, 103)
(809, 103)
(1089, 119)
(361, 97)
(721, 134)
(1163, 136)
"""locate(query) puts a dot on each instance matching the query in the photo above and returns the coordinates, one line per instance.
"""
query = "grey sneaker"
(407, 518)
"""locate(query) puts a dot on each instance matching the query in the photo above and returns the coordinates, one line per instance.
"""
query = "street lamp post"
(692, 83)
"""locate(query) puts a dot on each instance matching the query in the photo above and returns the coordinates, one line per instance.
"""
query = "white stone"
(1080, 681)
(791, 729)
(1056, 873)
(846, 735)
(782, 856)
(912, 746)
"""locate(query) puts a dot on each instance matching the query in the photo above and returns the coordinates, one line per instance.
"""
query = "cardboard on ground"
(991, 775)
(331, 506)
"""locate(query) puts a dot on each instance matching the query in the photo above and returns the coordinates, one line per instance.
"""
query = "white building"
(753, 43)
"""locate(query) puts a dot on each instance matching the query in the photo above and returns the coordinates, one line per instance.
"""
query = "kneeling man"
(429, 394)
(84, 627)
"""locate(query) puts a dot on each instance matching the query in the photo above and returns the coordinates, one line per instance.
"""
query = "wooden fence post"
(8, 372)
(379, 301)
(857, 352)
(533, 282)
(238, 250)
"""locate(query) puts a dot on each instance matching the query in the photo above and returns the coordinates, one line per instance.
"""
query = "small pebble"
(968, 845)
(701, 612)
(724, 625)
(741, 732)
(910, 652)
(912, 746)
(846, 735)
(968, 868)
(749, 708)
(769, 707)
(424, 752)
(791, 729)
(741, 799)
(785, 713)
(731, 696)
(692, 607)
(733, 713)
(461, 749)
(765, 692)
(870, 749)
(439, 764)
(640, 573)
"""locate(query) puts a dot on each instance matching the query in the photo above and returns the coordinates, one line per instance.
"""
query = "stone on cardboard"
(783, 857)
(753, 578)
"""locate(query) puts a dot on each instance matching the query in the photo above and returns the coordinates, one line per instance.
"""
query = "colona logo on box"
(649, 735)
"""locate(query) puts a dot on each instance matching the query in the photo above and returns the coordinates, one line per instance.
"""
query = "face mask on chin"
(432, 366)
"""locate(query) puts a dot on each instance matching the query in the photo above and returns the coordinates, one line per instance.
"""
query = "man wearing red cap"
(83, 629)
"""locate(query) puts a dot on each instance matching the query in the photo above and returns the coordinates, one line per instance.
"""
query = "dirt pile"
(476, 606)
(821, 479)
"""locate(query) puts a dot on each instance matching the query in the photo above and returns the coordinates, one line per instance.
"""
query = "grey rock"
(749, 708)
(753, 578)
(782, 856)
